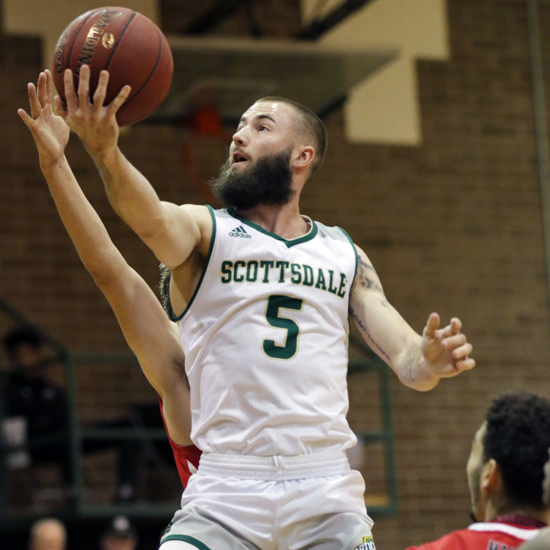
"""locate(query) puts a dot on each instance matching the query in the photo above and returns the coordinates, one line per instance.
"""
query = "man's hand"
(93, 122)
(445, 351)
(49, 131)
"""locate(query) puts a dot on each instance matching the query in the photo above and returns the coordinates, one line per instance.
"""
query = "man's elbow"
(106, 272)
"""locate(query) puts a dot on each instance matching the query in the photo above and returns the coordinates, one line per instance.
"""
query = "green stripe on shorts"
(186, 538)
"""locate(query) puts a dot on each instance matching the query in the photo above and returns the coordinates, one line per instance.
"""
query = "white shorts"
(284, 512)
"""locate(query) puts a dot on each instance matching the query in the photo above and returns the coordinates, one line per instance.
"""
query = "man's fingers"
(70, 93)
(454, 341)
(462, 351)
(49, 86)
(42, 92)
(452, 329)
(33, 100)
(432, 325)
(101, 90)
(456, 325)
(27, 119)
(466, 364)
(119, 100)
(84, 86)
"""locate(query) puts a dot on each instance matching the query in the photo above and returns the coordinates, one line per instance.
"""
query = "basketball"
(128, 45)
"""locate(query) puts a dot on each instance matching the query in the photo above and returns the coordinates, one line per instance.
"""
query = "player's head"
(48, 534)
(505, 468)
(277, 146)
(120, 535)
(23, 347)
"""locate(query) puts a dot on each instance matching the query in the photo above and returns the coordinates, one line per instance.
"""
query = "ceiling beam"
(220, 10)
(318, 27)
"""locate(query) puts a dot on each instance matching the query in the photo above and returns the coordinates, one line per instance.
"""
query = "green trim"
(186, 538)
(289, 243)
(356, 255)
(174, 318)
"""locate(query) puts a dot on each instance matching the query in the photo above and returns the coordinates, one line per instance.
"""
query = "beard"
(268, 181)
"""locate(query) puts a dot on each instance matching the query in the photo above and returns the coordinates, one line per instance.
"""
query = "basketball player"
(542, 541)
(505, 472)
(262, 296)
(148, 332)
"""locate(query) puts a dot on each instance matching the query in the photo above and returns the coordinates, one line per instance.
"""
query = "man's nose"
(240, 139)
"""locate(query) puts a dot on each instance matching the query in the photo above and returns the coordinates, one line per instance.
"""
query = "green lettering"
(252, 278)
(295, 270)
(308, 276)
(275, 319)
(236, 277)
(282, 266)
(265, 264)
(226, 271)
(342, 289)
(321, 280)
(331, 289)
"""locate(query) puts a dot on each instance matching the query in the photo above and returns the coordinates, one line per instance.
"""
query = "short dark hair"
(22, 336)
(312, 126)
(517, 437)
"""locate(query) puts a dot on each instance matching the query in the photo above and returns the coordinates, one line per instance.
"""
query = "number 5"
(274, 304)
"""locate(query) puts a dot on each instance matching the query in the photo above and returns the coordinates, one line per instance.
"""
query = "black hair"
(312, 126)
(164, 288)
(21, 336)
(517, 437)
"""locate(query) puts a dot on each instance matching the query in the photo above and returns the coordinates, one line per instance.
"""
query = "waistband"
(275, 468)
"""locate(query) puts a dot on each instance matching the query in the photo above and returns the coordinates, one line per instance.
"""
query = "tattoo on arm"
(366, 279)
(362, 326)
(407, 370)
(408, 367)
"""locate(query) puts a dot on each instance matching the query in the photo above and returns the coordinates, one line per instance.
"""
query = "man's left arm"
(419, 361)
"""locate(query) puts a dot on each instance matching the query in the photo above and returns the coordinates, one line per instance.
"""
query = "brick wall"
(453, 226)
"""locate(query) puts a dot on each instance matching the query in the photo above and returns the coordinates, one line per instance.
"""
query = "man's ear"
(303, 158)
(491, 478)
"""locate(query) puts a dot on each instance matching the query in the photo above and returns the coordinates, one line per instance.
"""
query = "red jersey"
(503, 533)
(183, 455)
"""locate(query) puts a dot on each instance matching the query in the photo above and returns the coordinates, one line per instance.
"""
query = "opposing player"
(149, 333)
(542, 541)
(505, 472)
(262, 296)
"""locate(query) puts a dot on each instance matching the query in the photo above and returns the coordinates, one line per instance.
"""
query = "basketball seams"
(120, 37)
(155, 66)
(75, 36)
(150, 77)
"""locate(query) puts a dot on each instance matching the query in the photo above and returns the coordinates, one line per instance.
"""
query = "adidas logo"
(240, 232)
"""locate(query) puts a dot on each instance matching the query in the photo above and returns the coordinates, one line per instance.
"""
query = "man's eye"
(262, 128)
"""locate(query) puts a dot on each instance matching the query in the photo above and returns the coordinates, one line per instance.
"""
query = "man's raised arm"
(419, 361)
(148, 332)
(170, 231)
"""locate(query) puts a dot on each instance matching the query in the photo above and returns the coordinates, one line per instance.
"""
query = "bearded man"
(262, 296)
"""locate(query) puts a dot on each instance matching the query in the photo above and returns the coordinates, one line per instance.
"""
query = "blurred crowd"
(51, 534)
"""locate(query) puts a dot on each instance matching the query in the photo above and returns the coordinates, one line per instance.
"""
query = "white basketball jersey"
(265, 338)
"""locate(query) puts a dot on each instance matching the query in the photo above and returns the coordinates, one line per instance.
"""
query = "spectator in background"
(120, 535)
(32, 406)
(48, 534)
(505, 473)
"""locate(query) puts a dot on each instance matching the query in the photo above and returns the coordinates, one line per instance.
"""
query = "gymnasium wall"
(453, 225)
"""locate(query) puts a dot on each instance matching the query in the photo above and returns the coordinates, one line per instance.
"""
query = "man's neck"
(284, 221)
(491, 513)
